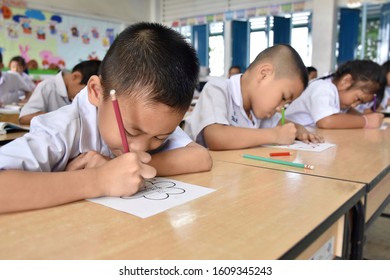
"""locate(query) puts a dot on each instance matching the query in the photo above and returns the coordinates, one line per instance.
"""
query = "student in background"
(58, 91)
(11, 84)
(385, 104)
(17, 64)
(312, 73)
(234, 70)
(76, 152)
(329, 102)
(230, 112)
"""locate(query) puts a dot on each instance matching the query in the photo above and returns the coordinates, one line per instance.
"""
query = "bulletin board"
(53, 40)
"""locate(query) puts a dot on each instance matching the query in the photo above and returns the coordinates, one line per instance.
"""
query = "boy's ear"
(345, 82)
(264, 70)
(77, 77)
(95, 91)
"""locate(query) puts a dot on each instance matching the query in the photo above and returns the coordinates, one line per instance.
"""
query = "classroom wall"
(126, 11)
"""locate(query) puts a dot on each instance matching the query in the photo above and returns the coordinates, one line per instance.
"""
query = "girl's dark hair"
(151, 62)
(362, 71)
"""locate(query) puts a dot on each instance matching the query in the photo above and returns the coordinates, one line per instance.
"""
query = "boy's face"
(271, 95)
(147, 126)
(73, 84)
(14, 66)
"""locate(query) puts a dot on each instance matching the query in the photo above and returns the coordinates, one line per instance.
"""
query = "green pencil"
(301, 165)
(283, 117)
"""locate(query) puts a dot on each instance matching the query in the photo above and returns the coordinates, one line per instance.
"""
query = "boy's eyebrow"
(140, 130)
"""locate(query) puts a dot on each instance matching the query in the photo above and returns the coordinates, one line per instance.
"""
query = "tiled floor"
(377, 245)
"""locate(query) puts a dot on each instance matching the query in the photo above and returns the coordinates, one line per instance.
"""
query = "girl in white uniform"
(82, 143)
(329, 102)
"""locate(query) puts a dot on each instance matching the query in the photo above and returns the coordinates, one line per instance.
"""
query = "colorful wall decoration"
(242, 14)
(54, 41)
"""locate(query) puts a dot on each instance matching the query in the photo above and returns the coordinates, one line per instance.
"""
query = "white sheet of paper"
(299, 145)
(158, 195)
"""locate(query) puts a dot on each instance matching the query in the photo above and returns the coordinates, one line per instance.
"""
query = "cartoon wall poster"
(48, 39)
(54, 21)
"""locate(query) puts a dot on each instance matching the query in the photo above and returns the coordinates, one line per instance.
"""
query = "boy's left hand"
(89, 159)
(307, 137)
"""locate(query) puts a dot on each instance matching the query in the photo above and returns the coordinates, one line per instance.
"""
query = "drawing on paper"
(157, 190)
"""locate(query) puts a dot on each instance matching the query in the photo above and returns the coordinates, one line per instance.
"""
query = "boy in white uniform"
(230, 112)
(17, 64)
(329, 102)
(82, 141)
(58, 91)
(10, 85)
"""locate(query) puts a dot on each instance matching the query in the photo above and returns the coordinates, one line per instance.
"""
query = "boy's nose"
(139, 146)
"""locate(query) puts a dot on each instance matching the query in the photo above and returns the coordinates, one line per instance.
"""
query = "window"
(300, 36)
(262, 35)
(259, 40)
(216, 49)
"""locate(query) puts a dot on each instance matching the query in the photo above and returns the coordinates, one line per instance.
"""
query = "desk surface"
(360, 155)
(5, 138)
(253, 214)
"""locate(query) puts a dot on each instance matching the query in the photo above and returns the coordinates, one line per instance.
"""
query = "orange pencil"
(280, 154)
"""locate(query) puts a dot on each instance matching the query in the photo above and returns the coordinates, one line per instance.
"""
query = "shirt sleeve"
(211, 108)
(48, 147)
(36, 103)
(321, 103)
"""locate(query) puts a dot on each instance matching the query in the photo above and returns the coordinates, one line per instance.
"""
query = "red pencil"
(119, 121)
(279, 154)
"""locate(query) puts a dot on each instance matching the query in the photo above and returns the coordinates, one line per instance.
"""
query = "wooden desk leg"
(357, 232)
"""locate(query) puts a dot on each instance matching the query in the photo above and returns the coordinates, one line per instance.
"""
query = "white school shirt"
(319, 100)
(221, 102)
(59, 136)
(26, 78)
(10, 84)
(49, 95)
(386, 97)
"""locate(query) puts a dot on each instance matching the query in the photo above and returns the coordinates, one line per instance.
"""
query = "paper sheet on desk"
(159, 195)
(301, 146)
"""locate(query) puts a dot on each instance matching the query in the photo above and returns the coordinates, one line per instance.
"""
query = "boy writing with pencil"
(77, 152)
(230, 112)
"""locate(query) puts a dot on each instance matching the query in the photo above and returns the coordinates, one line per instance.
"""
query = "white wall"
(324, 35)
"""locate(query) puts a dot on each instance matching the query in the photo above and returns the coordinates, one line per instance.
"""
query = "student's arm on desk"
(26, 120)
(23, 190)
(342, 121)
(224, 137)
(189, 159)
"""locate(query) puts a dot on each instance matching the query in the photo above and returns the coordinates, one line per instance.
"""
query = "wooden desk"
(5, 138)
(14, 118)
(253, 214)
(360, 155)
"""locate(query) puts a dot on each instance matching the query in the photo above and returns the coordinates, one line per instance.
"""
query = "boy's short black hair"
(311, 69)
(235, 67)
(152, 62)
(87, 69)
(1, 58)
(386, 67)
(286, 61)
(20, 60)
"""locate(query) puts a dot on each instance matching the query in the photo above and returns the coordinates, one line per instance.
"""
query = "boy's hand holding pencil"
(285, 134)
